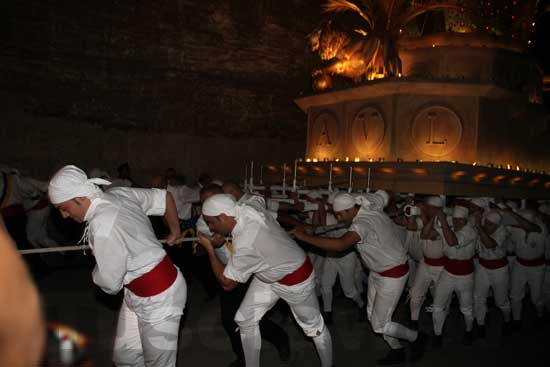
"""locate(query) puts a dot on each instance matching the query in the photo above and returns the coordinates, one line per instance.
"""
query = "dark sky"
(540, 46)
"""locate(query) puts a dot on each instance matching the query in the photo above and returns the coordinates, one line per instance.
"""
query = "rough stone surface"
(167, 71)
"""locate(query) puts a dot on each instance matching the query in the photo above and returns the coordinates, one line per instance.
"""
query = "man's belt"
(298, 275)
(460, 267)
(534, 262)
(435, 262)
(493, 264)
(397, 271)
(156, 281)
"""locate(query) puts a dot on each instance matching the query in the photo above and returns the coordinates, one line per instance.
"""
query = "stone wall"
(200, 86)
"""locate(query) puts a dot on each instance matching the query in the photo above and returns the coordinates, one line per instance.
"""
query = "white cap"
(219, 204)
(460, 212)
(434, 201)
(494, 217)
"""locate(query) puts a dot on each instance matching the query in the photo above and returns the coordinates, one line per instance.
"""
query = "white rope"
(86, 247)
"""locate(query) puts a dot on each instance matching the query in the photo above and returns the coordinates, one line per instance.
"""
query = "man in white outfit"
(280, 269)
(129, 256)
(373, 234)
(458, 271)
(492, 271)
(433, 259)
(529, 239)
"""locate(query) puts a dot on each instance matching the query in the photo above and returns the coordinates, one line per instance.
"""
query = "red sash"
(459, 267)
(14, 210)
(493, 264)
(435, 262)
(535, 262)
(298, 275)
(156, 281)
(397, 271)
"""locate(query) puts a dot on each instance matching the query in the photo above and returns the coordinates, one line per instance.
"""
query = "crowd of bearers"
(255, 250)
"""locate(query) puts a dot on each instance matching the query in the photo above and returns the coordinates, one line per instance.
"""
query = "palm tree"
(384, 20)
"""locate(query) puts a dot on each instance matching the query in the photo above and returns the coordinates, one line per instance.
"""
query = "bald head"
(232, 188)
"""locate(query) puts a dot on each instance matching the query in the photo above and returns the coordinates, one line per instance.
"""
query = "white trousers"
(140, 343)
(448, 283)
(546, 288)
(498, 280)
(343, 267)
(301, 298)
(521, 277)
(317, 261)
(425, 276)
(383, 294)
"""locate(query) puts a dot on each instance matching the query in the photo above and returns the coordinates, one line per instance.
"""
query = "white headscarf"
(494, 217)
(377, 201)
(220, 204)
(544, 208)
(71, 182)
(225, 204)
(460, 212)
(385, 197)
(481, 202)
(345, 201)
(434, 201)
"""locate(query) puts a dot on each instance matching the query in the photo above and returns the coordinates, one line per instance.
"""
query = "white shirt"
(262, 248)
(528, 246)
(121, 235)
(125, 248)
(380, 247)
(466, 247)
(499, 252)
(184, 197)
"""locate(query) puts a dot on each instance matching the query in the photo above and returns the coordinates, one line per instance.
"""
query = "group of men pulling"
(467, 248)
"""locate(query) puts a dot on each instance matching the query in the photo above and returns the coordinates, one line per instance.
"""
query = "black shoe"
(328, 317)
(437, 341)
(237, 363)
(539, 323)
(394, 356)
(507, 328)
(284, 352)
(481, 331)
(418, 347)
(468, 338)
(414, 325)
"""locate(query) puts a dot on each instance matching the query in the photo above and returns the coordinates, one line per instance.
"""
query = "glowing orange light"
(387, 170)
(498, 178)
(480, 176)
(357, 159)
(457, 174)
(315, 160)
(420, 171)
(308, 160)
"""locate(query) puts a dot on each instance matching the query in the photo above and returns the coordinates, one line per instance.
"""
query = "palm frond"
(415, 11)
(340, 6)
